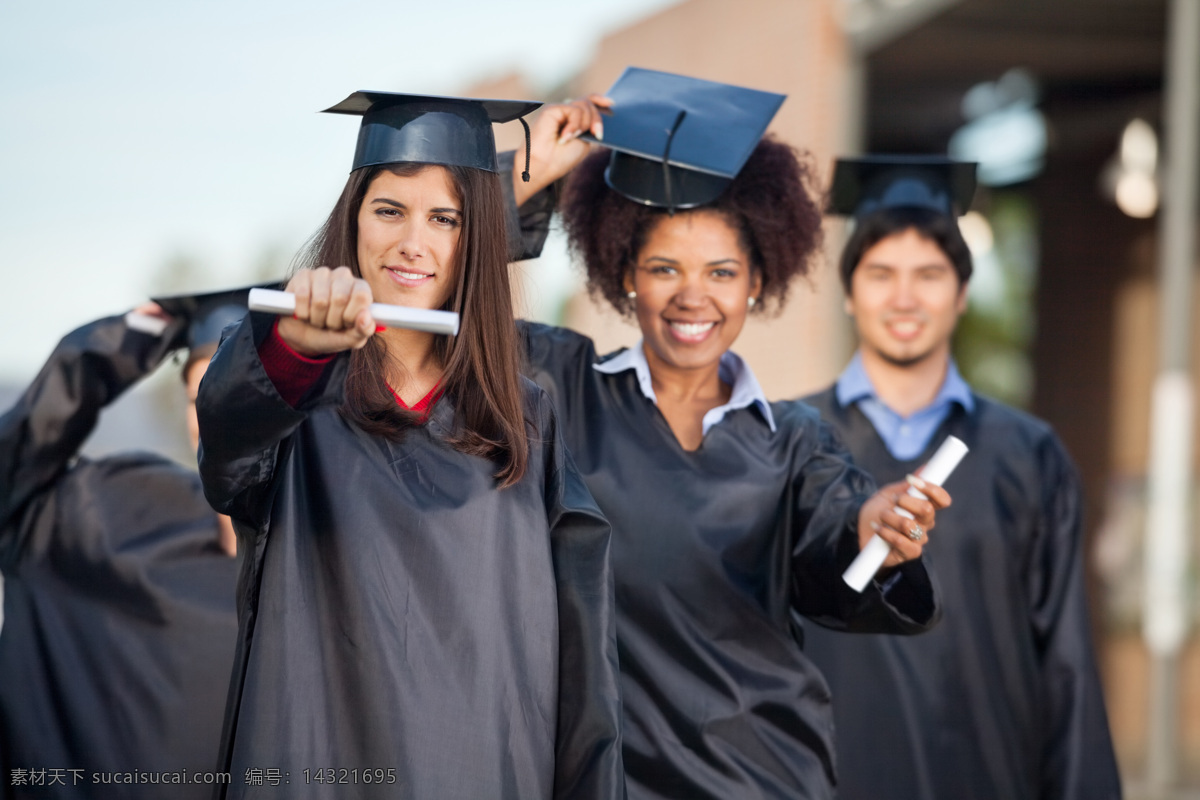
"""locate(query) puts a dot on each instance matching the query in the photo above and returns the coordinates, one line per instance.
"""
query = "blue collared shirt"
(905, 437)
(732, 370)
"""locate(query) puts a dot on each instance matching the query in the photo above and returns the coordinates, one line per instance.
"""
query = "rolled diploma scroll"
(416, 319)
(871, 558)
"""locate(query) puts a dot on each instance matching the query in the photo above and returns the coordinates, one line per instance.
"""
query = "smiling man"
(1002, 700)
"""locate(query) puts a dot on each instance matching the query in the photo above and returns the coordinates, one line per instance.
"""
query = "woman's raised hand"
(555, 147)
(906, 537)
(332, 312)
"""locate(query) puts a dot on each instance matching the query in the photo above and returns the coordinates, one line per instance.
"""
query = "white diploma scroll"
(416, 319)
(871, 558)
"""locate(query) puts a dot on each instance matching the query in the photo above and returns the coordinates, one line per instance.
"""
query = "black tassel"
(528, 146)
(666, 157)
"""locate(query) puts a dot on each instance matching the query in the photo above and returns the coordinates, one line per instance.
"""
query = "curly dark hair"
(770, 203)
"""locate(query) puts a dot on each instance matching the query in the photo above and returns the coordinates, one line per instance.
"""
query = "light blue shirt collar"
(905, 437)
(853, 385)
(733, 370)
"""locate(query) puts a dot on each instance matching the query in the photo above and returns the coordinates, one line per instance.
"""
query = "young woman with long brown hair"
(425, 606)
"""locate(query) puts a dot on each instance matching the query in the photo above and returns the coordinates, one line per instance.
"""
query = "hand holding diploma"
(333, 312)
(893, 524)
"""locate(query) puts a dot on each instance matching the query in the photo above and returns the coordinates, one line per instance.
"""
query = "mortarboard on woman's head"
(677, 142)
(426, 129)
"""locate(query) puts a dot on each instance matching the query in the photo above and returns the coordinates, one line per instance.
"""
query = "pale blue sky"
(134, 130)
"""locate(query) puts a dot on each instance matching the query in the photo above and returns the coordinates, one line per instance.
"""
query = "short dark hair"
(935, 226)
(482, 365)
(770, 203)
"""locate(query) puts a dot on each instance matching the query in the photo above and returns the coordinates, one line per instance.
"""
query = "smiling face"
(408, 231)
(693, 280)
(906, 298)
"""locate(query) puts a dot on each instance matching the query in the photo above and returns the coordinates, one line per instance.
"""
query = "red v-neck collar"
(424, 405)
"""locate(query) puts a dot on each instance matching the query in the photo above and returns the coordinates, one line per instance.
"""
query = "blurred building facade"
(1063, 317)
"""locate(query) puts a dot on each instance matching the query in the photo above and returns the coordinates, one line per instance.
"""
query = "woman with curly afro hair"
(732, 516)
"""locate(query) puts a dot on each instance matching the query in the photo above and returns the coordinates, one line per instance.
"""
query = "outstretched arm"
(247, 409)
(834, 518)
(43, 431)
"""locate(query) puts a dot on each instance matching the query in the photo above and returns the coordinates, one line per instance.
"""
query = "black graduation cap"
(863, 185)
(208, 314)
(677, 142)
(426, 129)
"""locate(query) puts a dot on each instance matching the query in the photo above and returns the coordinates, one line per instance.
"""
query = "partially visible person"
(1002, 700)
(119, 620)
(733, 517)
(426, 606)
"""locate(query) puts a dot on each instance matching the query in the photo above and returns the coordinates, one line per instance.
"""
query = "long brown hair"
(481, 366)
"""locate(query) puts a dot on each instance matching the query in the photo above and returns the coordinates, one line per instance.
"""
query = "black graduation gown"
(528, 227)
(402, 619)
(714, 553)
(1002, 700)
(119, 621)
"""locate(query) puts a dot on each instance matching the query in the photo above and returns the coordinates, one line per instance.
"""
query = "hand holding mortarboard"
(190, 321)
(555, 146)
(149, 318)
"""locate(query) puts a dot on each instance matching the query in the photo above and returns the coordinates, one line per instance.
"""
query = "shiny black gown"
(403, 621)
(716, 554)
(119, 621)
(1002, 699)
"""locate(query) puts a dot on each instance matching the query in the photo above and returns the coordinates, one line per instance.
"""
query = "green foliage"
(993, 338)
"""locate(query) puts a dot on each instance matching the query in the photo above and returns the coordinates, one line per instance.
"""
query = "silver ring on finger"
(916, 533)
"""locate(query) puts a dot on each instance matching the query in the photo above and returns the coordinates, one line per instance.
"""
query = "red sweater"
(294, 374)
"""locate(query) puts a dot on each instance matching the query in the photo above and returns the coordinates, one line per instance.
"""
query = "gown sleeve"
(44, 430)
(529, 225)
(1077, 752)
(245, 422)
(588, 751)
(829, 492)
(560, 361)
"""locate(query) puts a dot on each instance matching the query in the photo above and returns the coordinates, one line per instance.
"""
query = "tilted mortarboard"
(863, 185)
(426, 129)
(677, 142)
(208, 314)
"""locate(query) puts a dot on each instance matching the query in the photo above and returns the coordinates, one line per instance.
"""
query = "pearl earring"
(750, 301)
(631, 295)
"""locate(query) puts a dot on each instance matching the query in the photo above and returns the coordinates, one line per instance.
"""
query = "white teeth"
(692, 328)
(411, 276)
